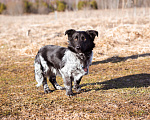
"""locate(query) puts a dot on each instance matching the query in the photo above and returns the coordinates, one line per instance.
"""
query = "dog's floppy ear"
(70, 32)
(92, 33)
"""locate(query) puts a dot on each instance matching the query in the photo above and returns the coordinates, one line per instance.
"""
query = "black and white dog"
(71, 63)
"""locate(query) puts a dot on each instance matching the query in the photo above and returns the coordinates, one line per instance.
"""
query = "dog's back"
(47, 61)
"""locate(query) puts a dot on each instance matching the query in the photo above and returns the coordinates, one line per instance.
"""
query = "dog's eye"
(76, 38)
(83, 38)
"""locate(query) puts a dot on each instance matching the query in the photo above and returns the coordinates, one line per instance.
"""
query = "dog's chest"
(73, 66)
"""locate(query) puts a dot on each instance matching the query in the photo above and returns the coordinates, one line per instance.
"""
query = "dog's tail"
(38, 71)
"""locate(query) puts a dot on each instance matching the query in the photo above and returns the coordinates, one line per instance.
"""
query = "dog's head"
(81, 41)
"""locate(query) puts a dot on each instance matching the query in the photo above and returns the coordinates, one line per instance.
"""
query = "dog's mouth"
(78, 48)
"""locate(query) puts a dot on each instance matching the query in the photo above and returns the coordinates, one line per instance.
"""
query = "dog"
(72, 63)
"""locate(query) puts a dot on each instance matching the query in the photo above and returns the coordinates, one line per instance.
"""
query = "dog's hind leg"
(40, 75)
(52, 79)
(45, 86)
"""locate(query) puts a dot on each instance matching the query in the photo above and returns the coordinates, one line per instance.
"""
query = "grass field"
(118, 86)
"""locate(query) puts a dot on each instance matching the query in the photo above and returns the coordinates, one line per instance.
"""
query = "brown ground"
(118, 86)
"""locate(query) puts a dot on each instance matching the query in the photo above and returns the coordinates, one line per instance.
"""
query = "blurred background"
(18, 7)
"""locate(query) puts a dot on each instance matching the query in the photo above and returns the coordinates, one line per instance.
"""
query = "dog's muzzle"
(78, 47)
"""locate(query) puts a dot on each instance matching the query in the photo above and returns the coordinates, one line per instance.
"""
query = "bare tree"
(134, 8)
(77, 4)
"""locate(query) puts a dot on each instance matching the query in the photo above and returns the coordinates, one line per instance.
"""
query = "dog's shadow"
(130, 81)
(116, 59)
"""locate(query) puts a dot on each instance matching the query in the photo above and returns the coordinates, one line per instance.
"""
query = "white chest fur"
(73, 65)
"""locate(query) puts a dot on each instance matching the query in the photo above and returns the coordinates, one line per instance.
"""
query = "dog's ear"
(70, 32)
(92, 33)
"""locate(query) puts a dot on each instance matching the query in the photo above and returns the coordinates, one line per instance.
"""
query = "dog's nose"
(77, 47)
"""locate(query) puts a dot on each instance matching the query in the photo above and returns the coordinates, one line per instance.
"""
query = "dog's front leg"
(68, 86)
(76, 86)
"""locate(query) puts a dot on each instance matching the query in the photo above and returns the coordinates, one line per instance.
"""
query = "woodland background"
(18, 7)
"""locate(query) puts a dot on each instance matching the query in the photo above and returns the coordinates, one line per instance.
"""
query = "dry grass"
(118, 34)
(118, 86)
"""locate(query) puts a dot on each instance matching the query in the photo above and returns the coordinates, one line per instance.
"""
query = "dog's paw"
(62, 88)
(46, 91)
(69, 93)
(58, 87)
